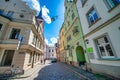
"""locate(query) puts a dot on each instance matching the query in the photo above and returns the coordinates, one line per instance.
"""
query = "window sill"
(94, 22)
(111, 59)
(113, 8)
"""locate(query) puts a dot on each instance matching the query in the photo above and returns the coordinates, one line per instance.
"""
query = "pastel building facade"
(74, 42)
(18, 20)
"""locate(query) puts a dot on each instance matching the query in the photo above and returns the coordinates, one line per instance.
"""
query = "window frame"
(108, 5)
(83, 3)
(10, 14)
(1, 11)
(1, 26)
(2, 63)
(90, 10)
(98, 50)
(12, 31)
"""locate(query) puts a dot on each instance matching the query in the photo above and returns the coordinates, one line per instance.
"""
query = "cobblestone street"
(55, 71)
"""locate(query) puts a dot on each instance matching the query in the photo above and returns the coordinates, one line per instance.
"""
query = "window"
(70, 52)
(92, 16)
(1, 12)
(68, 23)
(75, 30)
(52, 50)
(15, 33)
(49, 50)
(73, 15)
(10, 14)
(30, 58)
(7, 58)
(104, 47)
(21, 15)
(34, 39)
(1, 26)
(113, 3)
(69, 38)
(83, 2)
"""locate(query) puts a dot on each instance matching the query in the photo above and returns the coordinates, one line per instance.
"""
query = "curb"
(80, 75)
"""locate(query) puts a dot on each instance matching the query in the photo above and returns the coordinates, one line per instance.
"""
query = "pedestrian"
(41, 61)
(44, 61)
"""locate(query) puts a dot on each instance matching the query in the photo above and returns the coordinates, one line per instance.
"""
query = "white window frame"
(103, 45)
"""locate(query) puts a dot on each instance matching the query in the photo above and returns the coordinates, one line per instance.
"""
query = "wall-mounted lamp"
(119, 28)
(87, 41)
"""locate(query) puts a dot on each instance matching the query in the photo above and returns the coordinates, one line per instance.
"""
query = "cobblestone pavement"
(61, 71)
(56, 71)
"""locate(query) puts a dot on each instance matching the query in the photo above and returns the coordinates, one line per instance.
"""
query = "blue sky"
(50, 8)
(56, 8)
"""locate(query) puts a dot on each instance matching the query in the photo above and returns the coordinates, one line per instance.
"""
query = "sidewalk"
(31, 71)
(86, 74)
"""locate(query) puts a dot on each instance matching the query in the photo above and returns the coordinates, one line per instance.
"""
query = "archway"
(80, 55)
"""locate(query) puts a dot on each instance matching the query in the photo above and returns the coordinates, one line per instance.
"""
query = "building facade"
(62, 44)
(57, 51)
(50, 52)
(17, 20)
(74, 42)
(100, 22)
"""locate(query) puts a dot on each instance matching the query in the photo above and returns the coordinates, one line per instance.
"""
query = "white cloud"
(36, 5)
(53, 41)
(46, 17)
(46, 41)
(33, 4)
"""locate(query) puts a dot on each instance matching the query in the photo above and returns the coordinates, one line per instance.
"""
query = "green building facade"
(75, 51)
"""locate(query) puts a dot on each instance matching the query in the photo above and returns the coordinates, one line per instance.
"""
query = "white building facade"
(100, 20)
(50, 52)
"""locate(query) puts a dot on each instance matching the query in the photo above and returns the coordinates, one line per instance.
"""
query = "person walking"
(44, 61)
(41, 61)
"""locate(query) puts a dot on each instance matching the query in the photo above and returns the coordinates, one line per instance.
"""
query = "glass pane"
(15, 34)
(101, 40)
(102, 51)
(109, 50)
(106, 40)
(7, 58)
(116, 2)
(95, 16)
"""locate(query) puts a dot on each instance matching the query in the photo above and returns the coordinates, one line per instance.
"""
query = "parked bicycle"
(12, 73)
